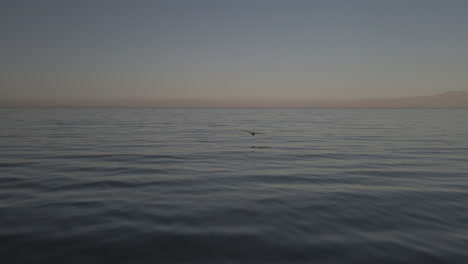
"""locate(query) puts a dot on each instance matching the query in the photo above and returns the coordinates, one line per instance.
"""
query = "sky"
(228, 52)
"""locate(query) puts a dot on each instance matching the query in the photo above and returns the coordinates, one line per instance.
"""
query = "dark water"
(187, 186)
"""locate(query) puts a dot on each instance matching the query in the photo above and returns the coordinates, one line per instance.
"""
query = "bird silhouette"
(254, 133)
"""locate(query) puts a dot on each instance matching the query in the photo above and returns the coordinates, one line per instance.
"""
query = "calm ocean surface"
(161, 185)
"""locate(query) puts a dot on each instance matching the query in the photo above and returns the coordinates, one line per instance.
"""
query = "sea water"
(187, 185)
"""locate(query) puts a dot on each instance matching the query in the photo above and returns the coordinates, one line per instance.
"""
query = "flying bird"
(254, 133)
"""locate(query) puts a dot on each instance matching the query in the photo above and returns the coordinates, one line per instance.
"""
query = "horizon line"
(229, 107)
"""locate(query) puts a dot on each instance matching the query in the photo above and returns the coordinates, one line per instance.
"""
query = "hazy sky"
(138, 52)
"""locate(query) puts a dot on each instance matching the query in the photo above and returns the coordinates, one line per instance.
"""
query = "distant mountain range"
(458, 99)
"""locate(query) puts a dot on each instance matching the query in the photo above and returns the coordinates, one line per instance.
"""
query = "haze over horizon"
(229, 53)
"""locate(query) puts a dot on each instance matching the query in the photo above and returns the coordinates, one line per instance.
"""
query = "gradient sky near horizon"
(140, 52)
